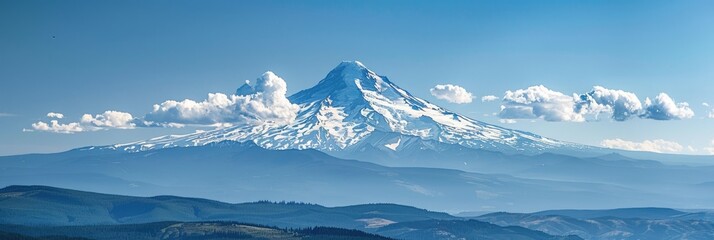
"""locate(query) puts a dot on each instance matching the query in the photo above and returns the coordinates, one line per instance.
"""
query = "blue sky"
(82, 57)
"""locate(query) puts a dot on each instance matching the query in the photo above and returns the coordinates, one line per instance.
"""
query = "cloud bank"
(541, 102)
(88, 122)
(55, 127)
(110, 119)
(266, 102)
(657, 145)
(451, 93)
(664, 108)
(622, 105)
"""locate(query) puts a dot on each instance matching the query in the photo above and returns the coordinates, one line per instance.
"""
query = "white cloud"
(664, 108)
(657, 145)
(215, 109)
(541, 102)
(264, 102)
(451, 93)
(705, 104)
(620, 104)
(56, 127)
(2, 114)
(106, 120)
(110, 119)
(267, 103)
(55, 115)
(489, 98)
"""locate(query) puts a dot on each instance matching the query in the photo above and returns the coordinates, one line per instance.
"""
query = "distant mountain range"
(180, 231)
(41, 211)
(239, 172)
(47, 206)
(638, 223)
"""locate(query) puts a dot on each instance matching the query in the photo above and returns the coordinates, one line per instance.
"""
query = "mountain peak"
(347, 79)
(349, 71)
(353, 107)
(352, 64)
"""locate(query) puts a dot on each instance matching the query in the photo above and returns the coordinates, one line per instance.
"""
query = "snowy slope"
(352, 107)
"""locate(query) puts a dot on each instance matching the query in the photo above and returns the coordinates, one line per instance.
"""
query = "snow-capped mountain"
(353, 107)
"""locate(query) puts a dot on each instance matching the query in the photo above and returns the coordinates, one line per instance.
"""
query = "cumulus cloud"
(56, 127)
(110, 119)
(541, 102)
(622, 105)
(265, 102)
(665, 108)
(657, 145)
(489, 98)
(88, 122)
(55, 115)
(451, 93)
